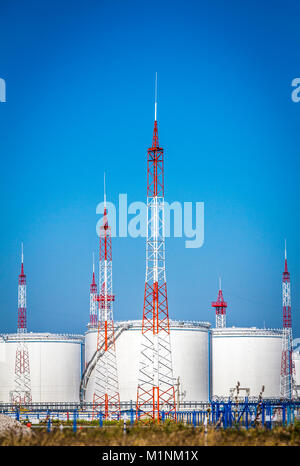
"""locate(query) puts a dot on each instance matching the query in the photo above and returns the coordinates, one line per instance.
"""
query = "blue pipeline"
(224, 414)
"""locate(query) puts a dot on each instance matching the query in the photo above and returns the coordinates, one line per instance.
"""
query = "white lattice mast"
(106, 396)
(287, 365)
(93, 300)
(156, 392)
(220, 305)
(22, 383)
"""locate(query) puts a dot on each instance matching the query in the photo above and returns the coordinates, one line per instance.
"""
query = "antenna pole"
(155, 108)
(104, 192)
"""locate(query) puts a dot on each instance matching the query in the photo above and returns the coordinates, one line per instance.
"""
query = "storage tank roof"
(173, 324)
(41, 337)
(246, 331)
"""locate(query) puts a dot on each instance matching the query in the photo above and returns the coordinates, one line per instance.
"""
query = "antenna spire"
(220, 283)
(155, 107)
(93, 263)
(104, 193)
(285, 256)
(22, 261)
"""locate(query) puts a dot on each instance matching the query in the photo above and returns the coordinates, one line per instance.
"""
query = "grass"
(167, 435)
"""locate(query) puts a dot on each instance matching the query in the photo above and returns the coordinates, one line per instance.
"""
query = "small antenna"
(220, 283)
(104, 192)
(22, 254)
(155, 108)
(285, 249)
(93, 263)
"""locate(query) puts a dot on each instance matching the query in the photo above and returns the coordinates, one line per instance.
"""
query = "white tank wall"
(250, 356)
(55, 367)
(190, 350)
(296, 359)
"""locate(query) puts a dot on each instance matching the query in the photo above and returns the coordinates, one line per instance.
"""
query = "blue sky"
(80, 89)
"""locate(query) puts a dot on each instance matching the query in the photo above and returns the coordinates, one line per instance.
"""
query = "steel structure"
(22, 386)
(220, 305)
(225, 414)
(106, 396)
(93, 300)
(287, 365)
(156, 389)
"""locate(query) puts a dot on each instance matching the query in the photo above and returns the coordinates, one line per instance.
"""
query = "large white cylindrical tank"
(190, 342)
(55, 366)
(250, 356)
(296, 359)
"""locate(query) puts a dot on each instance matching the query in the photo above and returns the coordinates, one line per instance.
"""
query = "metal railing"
(215, 414)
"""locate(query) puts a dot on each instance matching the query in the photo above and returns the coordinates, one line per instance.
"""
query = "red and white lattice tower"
(155, 391)
(22, 384)
(287, 366)
(106, 393)
(220, 305)
(93, 300)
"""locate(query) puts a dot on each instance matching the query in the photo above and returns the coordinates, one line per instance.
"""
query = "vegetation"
(153, 435)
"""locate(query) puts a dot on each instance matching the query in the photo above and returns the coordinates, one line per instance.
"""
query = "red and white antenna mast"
(106, 394)
(220, 305)
(287, 366)
(22, 388)
(93, 300)
(155, 384)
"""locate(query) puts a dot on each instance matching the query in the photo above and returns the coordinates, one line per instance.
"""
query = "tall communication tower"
(287, 366)
(93, 300)
(106, 394)
(22, 388)
(220, 305)
(156, 390)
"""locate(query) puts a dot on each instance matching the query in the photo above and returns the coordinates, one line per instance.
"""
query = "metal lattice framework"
(220, 305)
(156, 390)
(22, 384)
(287, 364)
(106, 396)
(93, 300)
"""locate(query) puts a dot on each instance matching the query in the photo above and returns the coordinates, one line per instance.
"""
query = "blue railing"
(218, 414)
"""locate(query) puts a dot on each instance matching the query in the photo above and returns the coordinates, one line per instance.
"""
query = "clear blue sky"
(80, 82)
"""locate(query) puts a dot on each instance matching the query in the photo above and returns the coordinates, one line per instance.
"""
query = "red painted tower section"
(220, 306)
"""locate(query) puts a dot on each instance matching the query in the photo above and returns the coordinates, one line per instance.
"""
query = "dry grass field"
(167, 435)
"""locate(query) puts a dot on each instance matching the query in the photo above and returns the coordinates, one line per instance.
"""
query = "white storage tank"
(190, 343)
(55, 366)
(296, 359)
(250, 356)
